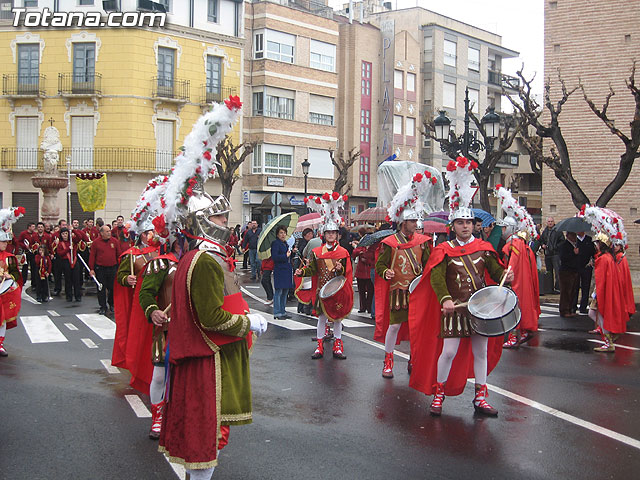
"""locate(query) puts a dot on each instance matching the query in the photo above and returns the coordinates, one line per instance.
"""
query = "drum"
(7, 285)
(494, 311)
(337, 298)
(414, 283)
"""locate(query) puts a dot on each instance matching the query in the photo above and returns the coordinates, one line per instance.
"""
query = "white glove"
(258, 323)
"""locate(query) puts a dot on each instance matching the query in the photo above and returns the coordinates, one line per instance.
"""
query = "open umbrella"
(486, 217)
(441, 215)
(430, 226)
(637, 221)
(374, 214)
(573, 224)
(268, 235)
(309, 220)
(375, 237)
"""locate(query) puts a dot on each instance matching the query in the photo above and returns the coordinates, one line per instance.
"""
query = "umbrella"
(441, 215)
(434, 227)
(573, 224)
(436, 220)
(375, 237)
(374, 214)
(356, 228)
(637, 221)
(486, 217)
(268, 234)
(309, 220)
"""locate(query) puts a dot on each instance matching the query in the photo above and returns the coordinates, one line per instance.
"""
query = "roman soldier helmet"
(607, 224)
(518, 221)
(9, 216)
(407, 203)
(148, 208)
(459, 174)
(200, 207)
(328, 205)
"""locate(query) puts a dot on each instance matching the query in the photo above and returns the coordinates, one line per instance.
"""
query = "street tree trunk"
(229, 158)
(343, 166)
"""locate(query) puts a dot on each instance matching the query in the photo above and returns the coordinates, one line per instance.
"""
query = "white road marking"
(547, 315)
(110, 368)
(137, 406)
(101, 325)
(25, 296)
(291, 324)
(354, 323)
(633, 333)
(53, 313)
(253, 286)
(373, 343)
(89, 343)
(41, 329)
(71, 326)
(255, 297)
(617, 345)
(177, 469)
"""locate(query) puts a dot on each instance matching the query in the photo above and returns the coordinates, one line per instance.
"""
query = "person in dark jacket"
(282, 273)
(586, 251)
(569, 264)
(551, 239)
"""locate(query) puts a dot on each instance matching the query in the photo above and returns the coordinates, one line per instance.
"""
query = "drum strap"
(476, 279)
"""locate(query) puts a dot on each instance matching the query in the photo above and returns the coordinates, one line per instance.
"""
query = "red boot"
(436, 405)
(156, 420)
(328, 334)
(525, 336)
(387, 369)
(338, 349)
(512, 341)
(3, 352)
(319, 350)
(480, 403)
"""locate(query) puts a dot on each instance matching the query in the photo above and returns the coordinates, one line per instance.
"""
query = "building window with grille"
(256, 160)
(365, 134)
(27, 133)
(214, 78)
(364, 173)
(274, 102)
(474, 59)
(28, 67)
(84, 64)
(411, 82)
(398, 79)
(322, 56)
(166, 65)
(365, 117)
(365, 79)
(258, 46)
(450, 53)
(321, 110)
(212, 11)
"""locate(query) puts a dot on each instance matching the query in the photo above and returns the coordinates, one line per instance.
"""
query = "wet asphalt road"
(63, 415)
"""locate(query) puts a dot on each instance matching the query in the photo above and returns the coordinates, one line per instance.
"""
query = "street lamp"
(305, 171)
(467, 142)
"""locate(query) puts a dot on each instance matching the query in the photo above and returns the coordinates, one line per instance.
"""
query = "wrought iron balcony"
(507, 82)
(214, 93)
(171, 88)
(18, 84)
(79, 84)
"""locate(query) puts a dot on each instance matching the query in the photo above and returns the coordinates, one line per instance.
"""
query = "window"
(365, 83)
(31, 3)
(365, 134)
(397, 125)
(164, 144)
(321, 166)
(274, 102)
(214, 76)
(278, 163)
(410, 124)
(256, 160)
(84, 60)
(449, 95)
(212, 11)
(450, 53)
(474, 100)
(280, 45)
(474, 59)
(411, 82)
(365, 117)
(82, 129)
(166, 62)
(87, 2)
(27, 132)
(28, 67)
(258, 46)
(258, 103)
(365, 125)
(165, 3)
(322, 56)
(428, 44)
(398, 80)
(321, 110)
(364, 173)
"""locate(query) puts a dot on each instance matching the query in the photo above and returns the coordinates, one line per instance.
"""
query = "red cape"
(424, 325)
(336, 254)
(608, 294)
(11, 301)
(625, 283)
(381, 287)
(525, 281)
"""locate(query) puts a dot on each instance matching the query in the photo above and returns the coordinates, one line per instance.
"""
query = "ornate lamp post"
(305, 171)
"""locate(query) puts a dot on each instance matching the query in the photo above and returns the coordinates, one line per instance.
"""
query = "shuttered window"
(164, 145)
(82, 142)
(27, 142)
(31, 203)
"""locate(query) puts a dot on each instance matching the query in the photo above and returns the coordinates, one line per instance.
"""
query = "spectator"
(99, 222)
(121, 233)
(366, 261)
(568, 252)
(493, 235)
(103, 263)
(551, 239)
(282, 272)
(586, 251)
(250, 244)
(24, 242)
(233, 241)
(43, 266)
(57, 262)
(477, 228)
(267, 270)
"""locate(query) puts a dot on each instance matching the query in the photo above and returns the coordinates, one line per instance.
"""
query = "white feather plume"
(327, 206)
(513, 209)
(604, 220)
(410, 196)
(460, 176)
(149, 204)
(9, 216)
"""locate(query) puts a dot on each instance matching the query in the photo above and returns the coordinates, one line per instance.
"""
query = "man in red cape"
(445, 351)
(625, 278)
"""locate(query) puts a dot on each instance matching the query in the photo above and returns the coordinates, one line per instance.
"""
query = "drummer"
(440, 332)
(9, 276)
(401, 259)
(326, 262)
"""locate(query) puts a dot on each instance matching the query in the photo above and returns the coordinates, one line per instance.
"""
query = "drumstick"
(393, 260)
(166, 310)
(131, 263)
(505, 275)
(459, 305)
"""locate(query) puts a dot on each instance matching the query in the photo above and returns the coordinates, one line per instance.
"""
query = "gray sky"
(519, 22)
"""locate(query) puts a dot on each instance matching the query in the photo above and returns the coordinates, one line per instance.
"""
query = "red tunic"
(335, 254)
(11, 300)
(424, 325)
(625, 281)
(525, 281)
(608, 294)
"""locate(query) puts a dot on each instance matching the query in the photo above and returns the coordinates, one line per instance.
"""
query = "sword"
(98, 284)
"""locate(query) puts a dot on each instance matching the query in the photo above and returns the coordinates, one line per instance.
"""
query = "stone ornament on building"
(398, 107)
(52, 146)
(411, 109)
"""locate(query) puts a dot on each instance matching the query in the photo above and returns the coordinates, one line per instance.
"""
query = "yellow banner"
(92, 192)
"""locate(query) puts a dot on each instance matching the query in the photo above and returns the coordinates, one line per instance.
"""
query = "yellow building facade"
(122, 99)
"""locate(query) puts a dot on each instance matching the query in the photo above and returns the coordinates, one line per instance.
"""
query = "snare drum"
(337, 298)
(414, 283)
(7, 285)
(494, 311)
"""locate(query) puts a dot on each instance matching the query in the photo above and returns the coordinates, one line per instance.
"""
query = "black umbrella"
(573, 224)
(637, 221)
(375, 237)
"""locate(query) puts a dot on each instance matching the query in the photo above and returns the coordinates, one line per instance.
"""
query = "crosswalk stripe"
(89, 343)
(137, 406)
(354, 323)
(53, 313)
(71, 326)
(547, 315)
(110, 368)
(633, 333)
(41, 329)
(291, 324)
(101, 325)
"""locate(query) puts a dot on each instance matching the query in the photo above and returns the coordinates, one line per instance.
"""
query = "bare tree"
(230, 158)
(343, 167)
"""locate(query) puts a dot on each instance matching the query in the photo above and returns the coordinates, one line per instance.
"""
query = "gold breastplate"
(465, 277)
(139, 261)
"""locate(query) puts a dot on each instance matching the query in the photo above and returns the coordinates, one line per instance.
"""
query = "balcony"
(209, 95)
(504, 81)
(170, 89)
(19, 85)
(101, 159)
(80, 85)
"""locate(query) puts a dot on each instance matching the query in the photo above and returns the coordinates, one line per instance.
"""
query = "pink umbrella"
(434, 227)
(374, 214)
(309, 220)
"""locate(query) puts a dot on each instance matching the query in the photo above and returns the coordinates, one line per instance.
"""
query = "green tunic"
(124, 270)
(151, 284)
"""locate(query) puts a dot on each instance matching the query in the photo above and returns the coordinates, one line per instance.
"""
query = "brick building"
(594, 42)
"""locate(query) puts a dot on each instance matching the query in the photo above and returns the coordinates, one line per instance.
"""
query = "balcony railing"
(164, 87)
(79, 84)
(98, 159)
(19, 84)
(211, 93)
(505, 81)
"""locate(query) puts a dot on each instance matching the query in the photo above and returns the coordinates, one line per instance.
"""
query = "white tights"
(391, 337)
(200, 473)
(3, 329)
(450, 348)
(156, 389)
(322, 324)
